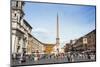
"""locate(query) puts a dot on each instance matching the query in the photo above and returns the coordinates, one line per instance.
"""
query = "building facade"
(67, 47)
(86, 43)
(48, 48)
(34, 46)
(20, 29)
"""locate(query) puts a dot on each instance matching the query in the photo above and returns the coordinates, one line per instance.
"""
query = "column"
(14, 44)
(21, 49)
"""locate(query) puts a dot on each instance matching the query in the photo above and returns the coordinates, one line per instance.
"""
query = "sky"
(74, 21)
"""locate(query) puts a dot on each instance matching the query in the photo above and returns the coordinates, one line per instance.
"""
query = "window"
(16, 3)
(13, 3)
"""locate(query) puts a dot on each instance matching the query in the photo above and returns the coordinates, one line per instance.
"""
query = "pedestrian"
(72, 58)
(69, 57)
(33, 57)
(88, 56)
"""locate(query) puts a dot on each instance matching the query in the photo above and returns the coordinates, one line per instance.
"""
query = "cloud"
(42, 31)
(43, 34)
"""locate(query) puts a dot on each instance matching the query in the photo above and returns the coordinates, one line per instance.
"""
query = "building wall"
(48, 48)
(91, 40)
(15, 20)
(67, 47)
(80, 45)
(89, 45)
(20, 28)
(34, 45)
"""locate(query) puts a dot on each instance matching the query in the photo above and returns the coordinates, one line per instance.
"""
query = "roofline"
(36, 39)
(40, 41)
(90, 32)
(27, 23)
(87, 34)
(49, 44)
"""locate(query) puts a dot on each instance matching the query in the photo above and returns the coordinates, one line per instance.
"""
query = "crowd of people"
(70, 56)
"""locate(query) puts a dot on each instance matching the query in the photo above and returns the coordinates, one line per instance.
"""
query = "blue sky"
(75, 21)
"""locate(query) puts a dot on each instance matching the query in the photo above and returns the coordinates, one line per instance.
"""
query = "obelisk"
(57, 37)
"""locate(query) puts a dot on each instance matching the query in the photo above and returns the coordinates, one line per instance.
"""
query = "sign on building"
(84, 40)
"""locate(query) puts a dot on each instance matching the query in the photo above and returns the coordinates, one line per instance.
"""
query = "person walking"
(32, 57)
